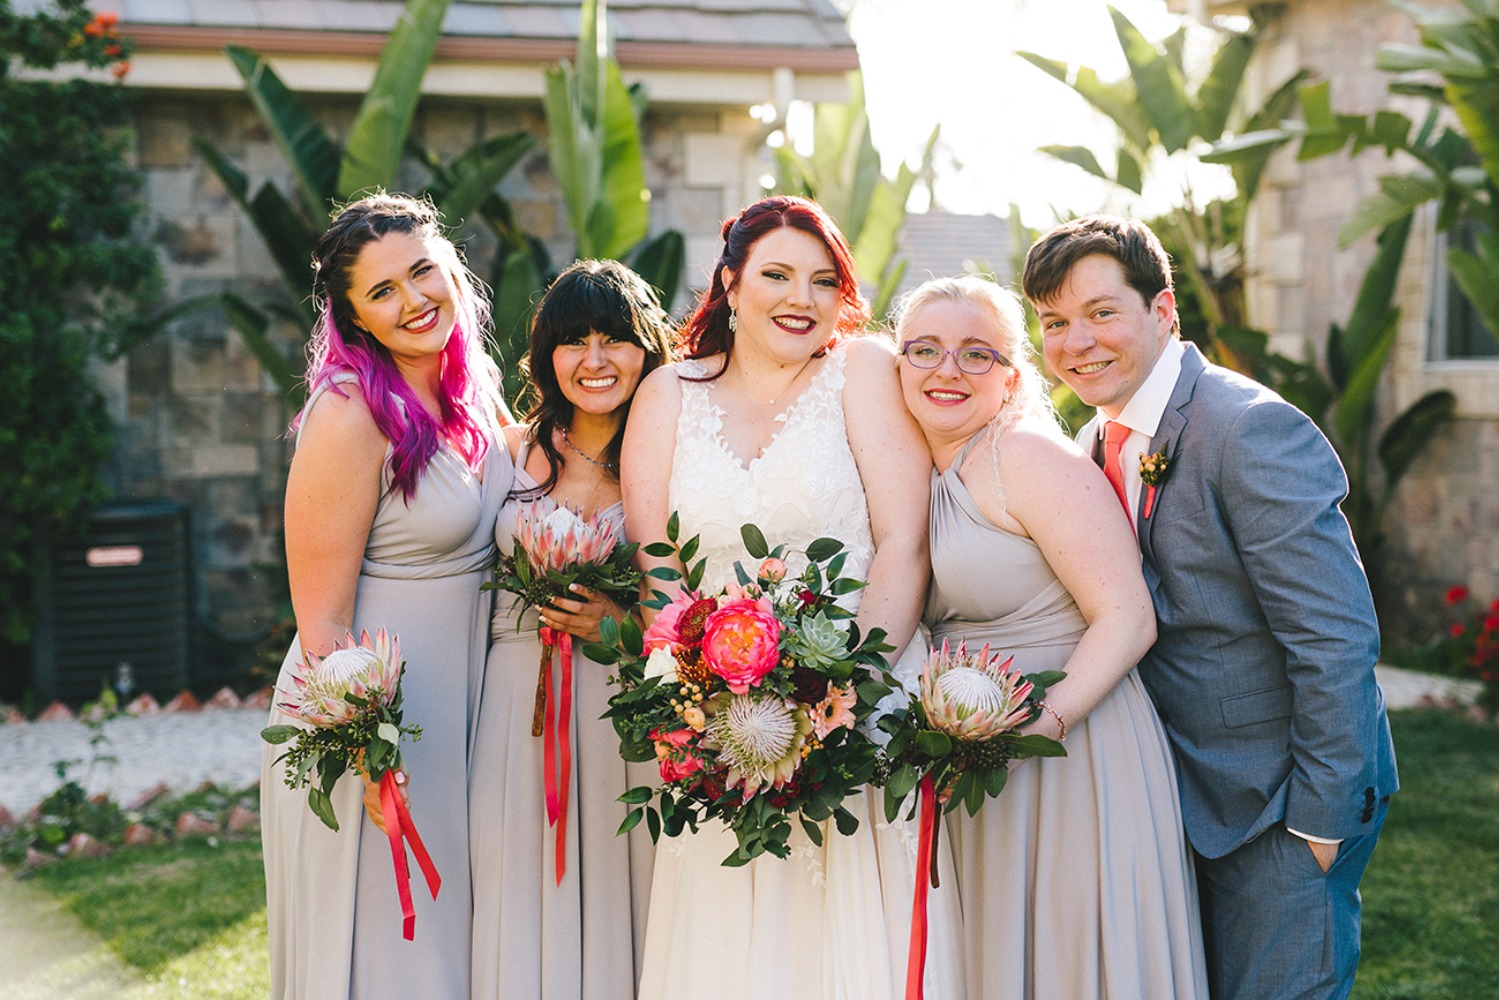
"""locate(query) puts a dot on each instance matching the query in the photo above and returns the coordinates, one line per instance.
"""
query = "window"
(1458, 331)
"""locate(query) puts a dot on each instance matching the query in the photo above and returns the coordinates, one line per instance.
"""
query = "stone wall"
(197, 419)
(1443, 526)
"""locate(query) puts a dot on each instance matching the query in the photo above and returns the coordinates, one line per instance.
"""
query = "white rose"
(661, 663)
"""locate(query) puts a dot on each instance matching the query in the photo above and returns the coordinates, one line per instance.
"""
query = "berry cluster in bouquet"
(750, 699)
(954, 742)
(350, 703)
(554, 550)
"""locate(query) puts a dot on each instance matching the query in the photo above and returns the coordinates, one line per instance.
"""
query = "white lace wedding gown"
(830, 922)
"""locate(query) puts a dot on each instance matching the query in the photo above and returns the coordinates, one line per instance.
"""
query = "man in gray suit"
(1263, 672)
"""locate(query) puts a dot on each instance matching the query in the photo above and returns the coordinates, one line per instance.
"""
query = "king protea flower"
(973, 696)
(556, 538)
(365, 668)
(760, 739)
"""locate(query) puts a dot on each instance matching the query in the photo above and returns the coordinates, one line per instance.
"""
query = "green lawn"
(1431, 895)
(191, 918)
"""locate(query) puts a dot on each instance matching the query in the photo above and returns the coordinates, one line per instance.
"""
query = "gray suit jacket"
(1263, 671)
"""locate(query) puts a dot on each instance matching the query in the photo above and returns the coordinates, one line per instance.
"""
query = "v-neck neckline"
(784, 418)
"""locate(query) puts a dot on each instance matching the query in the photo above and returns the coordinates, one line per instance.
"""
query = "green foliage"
(1457, 168)
(843, 175)
(1161, 111)
(75, 281)
(189, 916)
(596, 156)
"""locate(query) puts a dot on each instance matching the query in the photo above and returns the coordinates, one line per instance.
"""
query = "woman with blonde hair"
(1076, 882)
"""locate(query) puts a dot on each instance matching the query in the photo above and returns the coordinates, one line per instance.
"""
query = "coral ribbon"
(399, 826)
(926, 874)
(556, 737)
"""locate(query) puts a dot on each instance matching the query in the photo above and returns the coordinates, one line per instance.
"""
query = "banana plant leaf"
(282, 228)
(312, 156)
(372, 152)
(1409, 433)
(1162, 92)
(659, 261)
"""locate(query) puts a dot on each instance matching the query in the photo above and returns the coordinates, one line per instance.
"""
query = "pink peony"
(741, 643)
(676, 754)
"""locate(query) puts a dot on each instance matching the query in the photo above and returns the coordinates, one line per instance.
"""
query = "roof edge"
(457, 48)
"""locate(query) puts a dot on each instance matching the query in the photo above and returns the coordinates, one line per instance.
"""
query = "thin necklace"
(771, 401)
(584, 455)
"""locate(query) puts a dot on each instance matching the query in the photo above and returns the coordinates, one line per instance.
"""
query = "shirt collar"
(1143, 412)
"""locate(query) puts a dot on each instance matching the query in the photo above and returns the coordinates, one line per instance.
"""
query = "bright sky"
(952, 62)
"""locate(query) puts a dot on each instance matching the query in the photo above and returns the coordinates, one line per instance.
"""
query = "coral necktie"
(1114, 434)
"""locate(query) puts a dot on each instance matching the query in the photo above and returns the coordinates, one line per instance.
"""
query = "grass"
(1431, 894)
(191, 917)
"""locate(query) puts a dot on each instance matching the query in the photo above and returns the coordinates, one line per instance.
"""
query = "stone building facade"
(198, 422)
(1442, 528)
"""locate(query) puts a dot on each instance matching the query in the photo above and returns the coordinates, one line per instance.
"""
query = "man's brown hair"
(1147, 268)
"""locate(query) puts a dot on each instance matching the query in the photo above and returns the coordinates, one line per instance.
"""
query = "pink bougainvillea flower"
(741, 643)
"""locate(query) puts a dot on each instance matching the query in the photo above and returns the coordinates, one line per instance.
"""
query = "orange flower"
(120, 69)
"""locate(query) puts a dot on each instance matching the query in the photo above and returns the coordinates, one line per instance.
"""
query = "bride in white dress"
(782, 419)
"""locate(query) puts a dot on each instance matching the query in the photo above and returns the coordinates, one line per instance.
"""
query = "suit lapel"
(1166, 442)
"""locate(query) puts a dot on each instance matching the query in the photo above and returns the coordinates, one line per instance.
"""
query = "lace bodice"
(805, 484)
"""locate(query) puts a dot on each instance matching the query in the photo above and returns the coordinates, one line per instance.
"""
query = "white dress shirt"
(1142, 415)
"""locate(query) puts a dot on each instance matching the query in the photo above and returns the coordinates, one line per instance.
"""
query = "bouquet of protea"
(554, 549)
(955, 742)
(749, 699)
(351, 699)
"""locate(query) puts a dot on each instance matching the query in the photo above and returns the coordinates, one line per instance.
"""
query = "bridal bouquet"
(749, 699)
(554, 549)
(955, 742)
(351, 699)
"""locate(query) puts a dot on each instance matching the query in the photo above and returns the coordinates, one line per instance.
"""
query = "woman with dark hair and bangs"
(596, 333)
(391, 499)
(783, 416)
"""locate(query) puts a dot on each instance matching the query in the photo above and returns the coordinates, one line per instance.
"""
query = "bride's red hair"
(707, 332)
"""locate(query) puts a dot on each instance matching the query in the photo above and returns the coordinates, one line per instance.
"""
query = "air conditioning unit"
(115, 603)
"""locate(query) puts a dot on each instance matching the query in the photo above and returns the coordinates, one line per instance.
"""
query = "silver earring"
(733, 320)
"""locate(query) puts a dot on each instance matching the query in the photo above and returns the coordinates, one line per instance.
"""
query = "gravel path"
(182, 749)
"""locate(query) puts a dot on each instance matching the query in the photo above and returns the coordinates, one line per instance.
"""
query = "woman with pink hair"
(391, 503)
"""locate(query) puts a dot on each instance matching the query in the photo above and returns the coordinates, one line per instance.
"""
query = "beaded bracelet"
(1061, 723)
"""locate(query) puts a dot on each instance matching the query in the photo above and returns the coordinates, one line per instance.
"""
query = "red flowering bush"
(1471, 646)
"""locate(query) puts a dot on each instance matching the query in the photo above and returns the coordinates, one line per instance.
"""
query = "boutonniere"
(1153, 470)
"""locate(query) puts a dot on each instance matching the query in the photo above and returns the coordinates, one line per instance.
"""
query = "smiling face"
(786, 296)
(950, 404)
(403, 296)
(1100, 336)
(597, 373)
